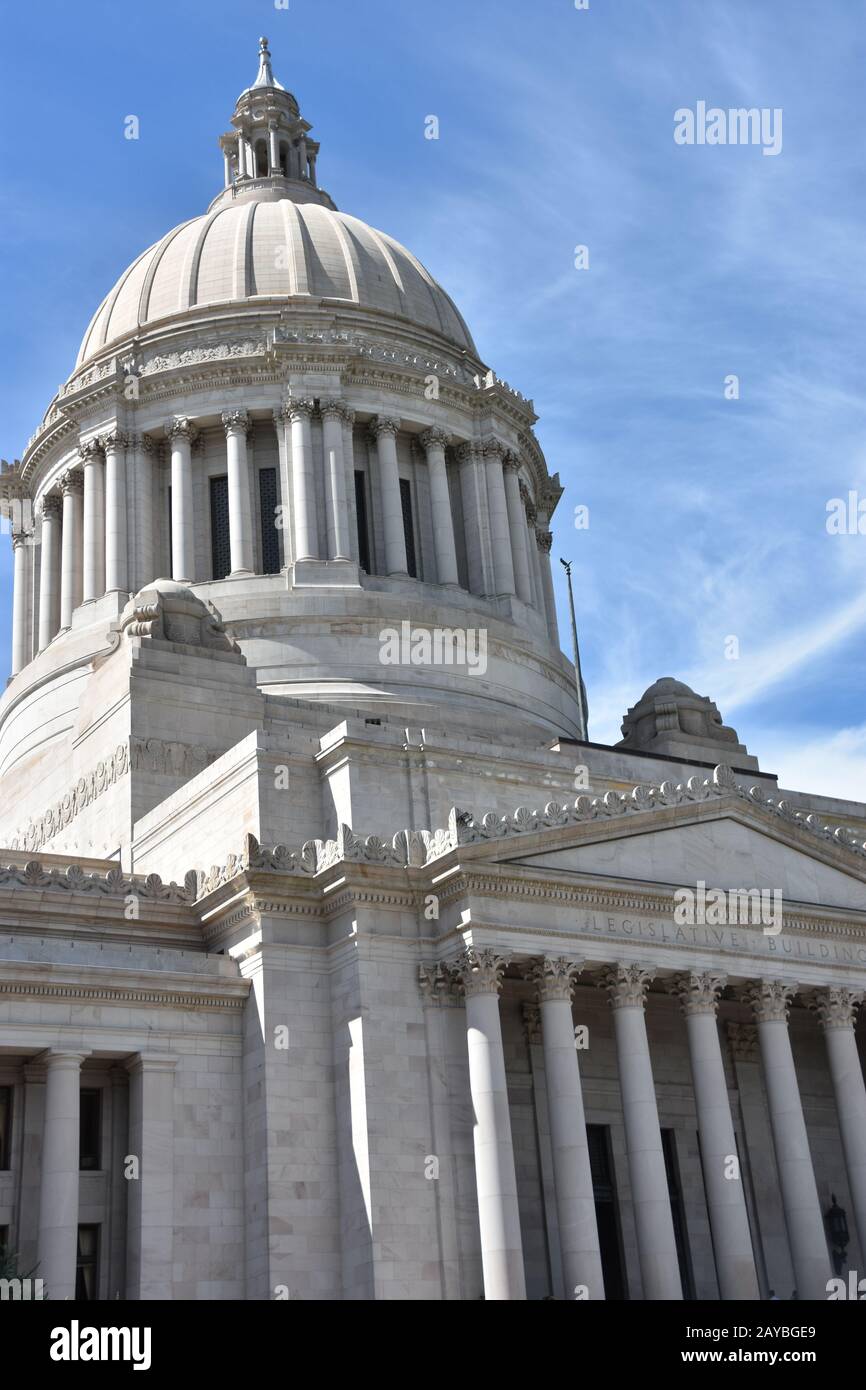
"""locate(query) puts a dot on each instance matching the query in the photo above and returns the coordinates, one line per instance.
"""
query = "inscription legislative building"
(383, 999)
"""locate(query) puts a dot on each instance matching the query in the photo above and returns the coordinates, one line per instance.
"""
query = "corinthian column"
(770, 1001)
(236, 424)
(517, 527)
(837, 1010)
(545, 541)
(575, 1200)
(49, 570)
(732, 1242)
(480, 973)
(72, 487)
(500, 535)
(303, 481)
(19, 601)
(116, 557)
(93, 468)
(476, 520)
(335, 481)
(144, 531)
(181, 434)
(58, 1203)
(384, 431)
(434, 442)
(627, 986)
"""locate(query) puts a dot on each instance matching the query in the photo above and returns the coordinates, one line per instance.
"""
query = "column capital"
(743, 1042)
(554, 977)
(72, 482)
(384, 424)
(62, 1057)
(114, 440)
(466, 451)
(51, 505)
(434, 438)
(491, 448)
(331, 408)
(146, 443)
(347, 413)
(438, 986)
(769, 1000)
(181, 427)
(236, 421)
(544, 539)
(150, 1062)
(90, 451)
(511, 461)
(835, 1006)
(297, 410)
(20, 538)
(626, 984)
(698, 991)
(479, 970)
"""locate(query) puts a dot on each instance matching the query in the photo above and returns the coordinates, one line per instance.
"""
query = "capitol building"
(336, 962)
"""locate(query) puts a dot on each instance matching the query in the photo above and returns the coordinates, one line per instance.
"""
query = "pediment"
(723, 851)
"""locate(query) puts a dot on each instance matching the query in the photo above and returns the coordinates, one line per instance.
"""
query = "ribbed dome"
(267, 249)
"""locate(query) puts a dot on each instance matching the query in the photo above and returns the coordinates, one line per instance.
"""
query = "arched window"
(261, 159)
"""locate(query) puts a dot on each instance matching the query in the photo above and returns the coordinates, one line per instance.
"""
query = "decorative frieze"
(114, 883)
(87, 789)
(438, 985)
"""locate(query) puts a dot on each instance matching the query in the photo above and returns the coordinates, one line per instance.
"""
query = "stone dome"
(261, 249)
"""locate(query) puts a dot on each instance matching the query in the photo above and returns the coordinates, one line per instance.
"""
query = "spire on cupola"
(269, 153)
(265, 76)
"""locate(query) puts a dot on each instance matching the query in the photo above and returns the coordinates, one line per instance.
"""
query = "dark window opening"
(361, 517)
(89, 1129)
(86, 1271)
(284, 159)
(678, 1213)
(268, 508)
(220, 542)
(261, 159)
(606, 1212)
(5, 1126)
(408, 527)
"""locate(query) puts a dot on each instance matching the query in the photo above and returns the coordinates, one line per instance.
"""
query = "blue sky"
(707, 516)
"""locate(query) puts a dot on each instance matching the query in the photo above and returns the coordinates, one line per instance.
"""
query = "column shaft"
(49, 570)
(116, 556)
(496, 1180)
(58, 1202)
(575, 1199)
(93, 468)
(303, 482)
(434, 442)
(349, 462)
(335, 482)
(385, 432)
(837, 1009)
(803, 1216)
(71, 542)
(657, 1247)
(726, 1202)
(150, 1211)
(236, 424)
(145, 529)
(500, 535)
(181, 435)
(517, 529)
(545, 540)
(19, 602)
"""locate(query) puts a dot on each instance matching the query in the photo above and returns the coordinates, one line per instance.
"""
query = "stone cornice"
(29, 980)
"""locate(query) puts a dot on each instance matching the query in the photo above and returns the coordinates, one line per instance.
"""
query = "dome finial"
(265, 76)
